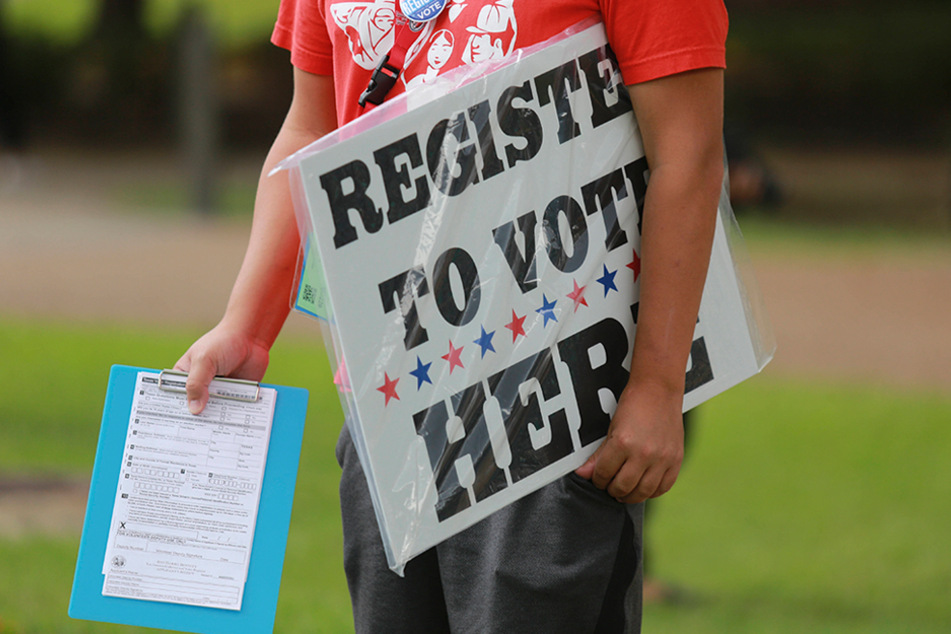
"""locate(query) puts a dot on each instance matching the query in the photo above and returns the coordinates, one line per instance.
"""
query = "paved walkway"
(69, 250)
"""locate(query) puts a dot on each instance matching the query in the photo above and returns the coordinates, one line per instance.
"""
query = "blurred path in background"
(71, 249)
(88, 238)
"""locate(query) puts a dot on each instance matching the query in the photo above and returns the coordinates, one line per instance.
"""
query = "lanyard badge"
(410, 20)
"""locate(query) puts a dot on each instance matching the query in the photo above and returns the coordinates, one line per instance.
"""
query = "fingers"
(607, 469)
(650, 486)
(641, 454)
(630, 477)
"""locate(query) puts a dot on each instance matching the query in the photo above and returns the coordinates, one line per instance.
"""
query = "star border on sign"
(607, 280)
(453, 357)
(421, 373)
(485, 341)
(389, 388)
(635, 265)
(547, 310)
(517, 326)
(577, 295)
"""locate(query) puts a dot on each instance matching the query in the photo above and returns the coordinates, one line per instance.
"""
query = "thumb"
(587, 469)
(200, 374)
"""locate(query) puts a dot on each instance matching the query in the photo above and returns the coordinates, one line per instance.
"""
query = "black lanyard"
(406, 30)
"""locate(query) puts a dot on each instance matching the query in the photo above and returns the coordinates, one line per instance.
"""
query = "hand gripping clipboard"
(270, 538)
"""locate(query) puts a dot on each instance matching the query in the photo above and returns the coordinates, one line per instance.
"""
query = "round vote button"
(422, 10)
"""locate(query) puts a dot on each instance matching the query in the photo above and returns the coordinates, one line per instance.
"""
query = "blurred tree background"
(842, 71)
(842, 107)
(109, 72)
(821, 73)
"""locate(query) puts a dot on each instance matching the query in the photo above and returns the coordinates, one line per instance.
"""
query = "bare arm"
(681, 121)
(239, 345)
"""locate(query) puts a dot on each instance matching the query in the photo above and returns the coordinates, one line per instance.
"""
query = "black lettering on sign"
(460, 261)
(520, 122)
(700, 372)
(577, 228)
(451, 174)
(609, 340)
(402, 290)
(472, 453)
(397, 180)
(534, 442)
(601, 195)
(352, 197)
(521, 263)
(638, 173)
(491, 163)
(555, 85)
(609, 100)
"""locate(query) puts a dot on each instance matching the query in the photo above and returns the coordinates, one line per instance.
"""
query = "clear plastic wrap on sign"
(473, 258)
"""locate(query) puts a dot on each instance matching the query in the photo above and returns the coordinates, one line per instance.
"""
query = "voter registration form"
(187, 499)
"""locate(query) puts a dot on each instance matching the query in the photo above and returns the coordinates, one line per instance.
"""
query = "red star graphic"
(516, 326)
(453, 357)
(577, 295)
(635, 266)
(389, 388)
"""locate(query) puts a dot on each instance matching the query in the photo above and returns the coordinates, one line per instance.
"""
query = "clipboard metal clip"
(221, 386)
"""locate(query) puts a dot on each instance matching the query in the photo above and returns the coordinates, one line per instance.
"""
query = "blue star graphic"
(421, 373)
(485, 341)
(547, 310)
(607, 280)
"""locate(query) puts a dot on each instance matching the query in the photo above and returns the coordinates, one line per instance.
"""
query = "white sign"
(482, 262)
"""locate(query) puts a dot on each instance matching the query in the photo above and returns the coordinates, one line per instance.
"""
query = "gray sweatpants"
(566, 558)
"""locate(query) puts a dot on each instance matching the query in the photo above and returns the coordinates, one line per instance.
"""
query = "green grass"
(810, 508)
(802, 507)
(234, 198)
(764, 232)
(54, 380)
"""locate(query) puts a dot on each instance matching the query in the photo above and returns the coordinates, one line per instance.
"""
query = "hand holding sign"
(641, 455)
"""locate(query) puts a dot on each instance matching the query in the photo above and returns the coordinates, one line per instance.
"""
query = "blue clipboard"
(270, 539)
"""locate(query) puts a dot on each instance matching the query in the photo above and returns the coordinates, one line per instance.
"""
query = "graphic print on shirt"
(467, 32)
(369, 28)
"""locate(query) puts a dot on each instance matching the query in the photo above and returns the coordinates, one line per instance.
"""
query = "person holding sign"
(566, 557)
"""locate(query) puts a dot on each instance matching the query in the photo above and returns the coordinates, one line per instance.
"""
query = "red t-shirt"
(346, 39)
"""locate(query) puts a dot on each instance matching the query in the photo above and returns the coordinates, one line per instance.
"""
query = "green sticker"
(312, 297)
